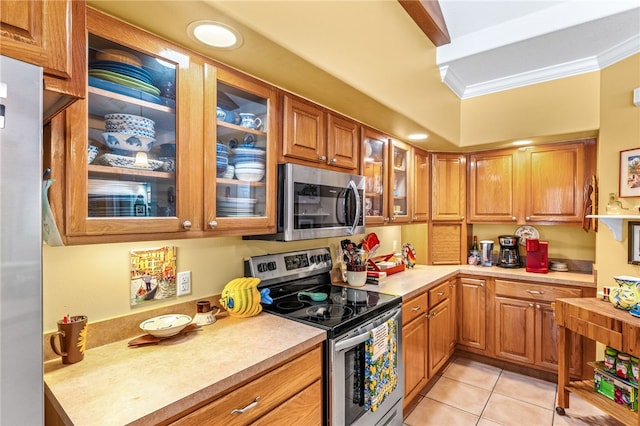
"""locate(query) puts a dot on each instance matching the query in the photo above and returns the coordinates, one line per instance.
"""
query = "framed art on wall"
(634, 243)
(630, 173)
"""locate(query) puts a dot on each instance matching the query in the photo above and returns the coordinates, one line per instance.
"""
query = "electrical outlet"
(184, 283)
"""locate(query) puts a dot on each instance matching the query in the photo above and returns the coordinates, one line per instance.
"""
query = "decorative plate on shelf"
(526, 232)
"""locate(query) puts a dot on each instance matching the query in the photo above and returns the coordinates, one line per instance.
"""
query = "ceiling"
(368, 59)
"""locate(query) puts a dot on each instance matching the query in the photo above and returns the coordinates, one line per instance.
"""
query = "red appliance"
(537, 256)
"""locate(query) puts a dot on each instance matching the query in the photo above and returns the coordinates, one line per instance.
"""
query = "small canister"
(610, 358)
(623, 366)
(633, 378)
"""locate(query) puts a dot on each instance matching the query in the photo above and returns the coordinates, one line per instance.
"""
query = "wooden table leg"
(564, 356)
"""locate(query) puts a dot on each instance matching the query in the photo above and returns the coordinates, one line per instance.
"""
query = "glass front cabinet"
(240, 154)
(129, 169)
(375, 148)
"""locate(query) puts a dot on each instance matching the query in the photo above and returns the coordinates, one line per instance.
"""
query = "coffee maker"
(509, 256)
(537, 256)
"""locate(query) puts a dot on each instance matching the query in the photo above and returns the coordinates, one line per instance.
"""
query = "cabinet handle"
(535, 292)
(537, 306)
(213, 224)
(513, 218)
(416, 308)
(481, 284)
(428, 316)
(333, 160)
(322, 158)
(531, 305)
(528, 218)
(441, 293)
(433, 315)
(386, 219)
(247, 408)
(186, 224)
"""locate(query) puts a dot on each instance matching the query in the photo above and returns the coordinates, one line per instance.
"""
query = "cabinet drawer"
(439, 293)
(291, 379)
(523, 290)
(414, 307)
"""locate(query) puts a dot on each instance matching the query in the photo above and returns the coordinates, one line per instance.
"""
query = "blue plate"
(124, 90)
(635, 313)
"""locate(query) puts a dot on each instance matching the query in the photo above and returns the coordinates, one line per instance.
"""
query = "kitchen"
(70, 271)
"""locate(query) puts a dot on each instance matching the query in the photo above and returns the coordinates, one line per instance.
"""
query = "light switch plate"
(184, 283)
(636, 96)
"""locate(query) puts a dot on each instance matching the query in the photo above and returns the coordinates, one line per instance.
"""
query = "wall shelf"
(614, 222)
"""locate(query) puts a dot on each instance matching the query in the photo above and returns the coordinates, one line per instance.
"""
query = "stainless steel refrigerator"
(21, 384)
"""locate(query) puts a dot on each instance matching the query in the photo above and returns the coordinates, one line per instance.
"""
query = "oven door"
(321, 203)
(348, 381)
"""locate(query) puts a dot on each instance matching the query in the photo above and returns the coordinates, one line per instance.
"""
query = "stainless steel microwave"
(317, 203)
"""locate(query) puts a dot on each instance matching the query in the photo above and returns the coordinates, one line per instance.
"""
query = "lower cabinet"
(472, 321)
(415, 346)
(289, 394)
(525, 329)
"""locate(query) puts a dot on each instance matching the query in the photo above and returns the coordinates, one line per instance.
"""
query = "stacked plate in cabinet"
(129, 132)
(229, 206)
(124, 74)
(249, 163)
(222, 159)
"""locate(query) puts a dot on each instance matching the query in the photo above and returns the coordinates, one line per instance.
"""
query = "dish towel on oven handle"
(381, 360)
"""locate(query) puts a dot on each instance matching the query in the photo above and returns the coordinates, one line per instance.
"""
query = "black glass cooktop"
(334, 308)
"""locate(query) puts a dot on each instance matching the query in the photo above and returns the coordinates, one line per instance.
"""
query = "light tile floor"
(472, 393)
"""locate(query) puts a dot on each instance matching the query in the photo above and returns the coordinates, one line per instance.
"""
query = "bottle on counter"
(474, 254)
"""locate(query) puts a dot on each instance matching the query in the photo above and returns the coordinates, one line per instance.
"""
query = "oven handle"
(363, 337)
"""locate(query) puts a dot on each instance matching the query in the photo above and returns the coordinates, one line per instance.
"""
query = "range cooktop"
(301, 289)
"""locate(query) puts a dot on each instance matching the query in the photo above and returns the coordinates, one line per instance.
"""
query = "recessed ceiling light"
(418, 136)
(215, 34)
(522, 142)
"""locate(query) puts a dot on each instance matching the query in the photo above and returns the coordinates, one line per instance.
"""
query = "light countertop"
(116, 385)
(411, 281)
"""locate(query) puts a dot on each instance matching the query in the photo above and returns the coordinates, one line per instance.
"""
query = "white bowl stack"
(249, 163)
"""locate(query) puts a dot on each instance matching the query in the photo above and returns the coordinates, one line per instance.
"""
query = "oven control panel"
(286, 266)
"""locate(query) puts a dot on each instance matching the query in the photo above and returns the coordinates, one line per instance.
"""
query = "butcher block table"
(599, 321)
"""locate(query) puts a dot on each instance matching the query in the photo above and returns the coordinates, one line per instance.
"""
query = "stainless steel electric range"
(363, 373)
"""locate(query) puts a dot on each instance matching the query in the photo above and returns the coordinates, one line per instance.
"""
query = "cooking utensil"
(316, 297)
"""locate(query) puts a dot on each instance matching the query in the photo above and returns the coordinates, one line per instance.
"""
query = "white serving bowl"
(127, 141)
(165, 325)
(249, 176)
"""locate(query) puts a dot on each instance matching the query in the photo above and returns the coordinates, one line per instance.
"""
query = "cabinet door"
(420, 186)
(448, 201)
(492, 187)
(134, 185)
(240, 154)
(547, 342)
(375, 148)
(400, 207)
(554, 183)
(440, 319)
(514, 322)
(52, 35)
(414, 356)
(304, 131)
(472, 321)
(453, 320)
(343, 142)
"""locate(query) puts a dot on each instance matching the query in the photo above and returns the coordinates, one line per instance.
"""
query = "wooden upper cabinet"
(49, 34)
(400, 174)
(542, 184)
(420, 185)
(492, 186)
(343, 140)
(554, 182)
(313, 134)
(375, 158)
(448, 202)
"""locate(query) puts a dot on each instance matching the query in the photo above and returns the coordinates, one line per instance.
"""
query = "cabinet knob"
(186, 224)
(481, 284)
(393, 219)
(528, 218)
(322, 158)
(461, 217)
(333, 160)
(213, 224)
(513, 218)
(386, 219)
(537, 306)
(531, 305)
(414, 218)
